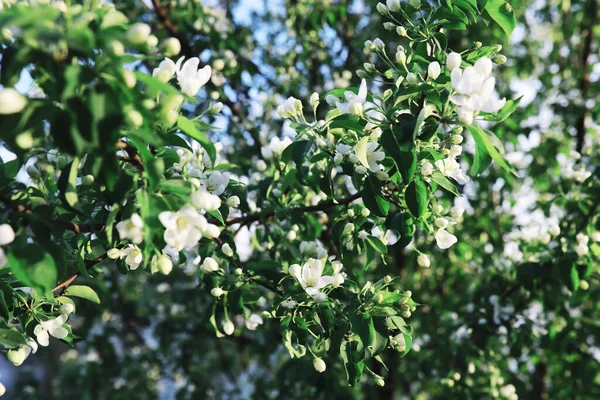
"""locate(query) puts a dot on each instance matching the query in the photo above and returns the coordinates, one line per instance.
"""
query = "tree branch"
(62, 287)
(162, 13)
(134, 157)
(250, 218)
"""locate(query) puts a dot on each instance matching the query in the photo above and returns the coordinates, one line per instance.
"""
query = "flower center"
(181, 222)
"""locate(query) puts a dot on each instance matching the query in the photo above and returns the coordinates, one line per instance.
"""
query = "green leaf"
(485, 149)
(506, 111)
(67, 184)
(503, 14)
(297, 152)
(377, 244)
(417, 197)
(12, 338)
(84, 292)
(402, 152)
(362, 325)
(444, 182)
(189, 128)
(34, 267)
(372, 198)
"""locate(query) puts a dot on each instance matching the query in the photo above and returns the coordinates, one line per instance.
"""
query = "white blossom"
(444, 239)
(275, 147)
(451, 168)
(253, 322)
(167, 69)
(132, 255)
(475, 90)
(53, 327)
(206, 201)
(184, 228)
(311, 277)
(354, 103)
(190, 78)
(132, 229)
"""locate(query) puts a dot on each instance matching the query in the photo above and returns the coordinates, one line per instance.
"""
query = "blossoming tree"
(208, 206)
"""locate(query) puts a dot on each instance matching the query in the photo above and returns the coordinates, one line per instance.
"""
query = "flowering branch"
(250, 218)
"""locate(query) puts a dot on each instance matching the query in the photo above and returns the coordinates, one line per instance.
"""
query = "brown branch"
(69, 225)
(62, 287)
(266, 285)
(134, 157)
(250, 218)
(162, 13)
(589, 215)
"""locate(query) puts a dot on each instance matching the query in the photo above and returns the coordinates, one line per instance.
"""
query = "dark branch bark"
(250, 218)
(162, 13)
(134, 157)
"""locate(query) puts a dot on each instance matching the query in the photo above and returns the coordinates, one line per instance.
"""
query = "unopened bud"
(401, 31)
(382, 9)
(114, 253)
(172, 46)
(88, 180)
(318, 362)
(499, 59)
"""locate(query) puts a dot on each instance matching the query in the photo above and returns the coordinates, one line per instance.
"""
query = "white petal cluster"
(275, 147)
(132, 229)
(355, 102)
(582, 244)
(253, 322)
(206, 201)
(290, 109)
(310, 276)
(185, 228)
(53, 327)
(450, 166)
(132, 255)
(189, 76)
(474, 89)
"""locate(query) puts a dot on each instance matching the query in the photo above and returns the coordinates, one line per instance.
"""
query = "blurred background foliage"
(152, 339)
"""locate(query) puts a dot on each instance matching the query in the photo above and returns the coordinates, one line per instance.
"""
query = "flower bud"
(554, 230)
(584, 285)
(365, 212)
(228, 328)
(360, 170)
(369, 67)
(165, 265)
(129, 78)
(415, 3)
(318, 362)
(113, 253)
(17, 356)
(389, 26)
(382, 9)
(379, 381)
(239, 272)
(215, 108)
(33, 172)
(477, 45)
(233, 202)
(362, 74)
(133, 118)
(401, 57)
(87, 180)
(217, 292)
(382, 176)
(499, 59)
(369, 45)
(172, 47)
(379, 44)
(138, 33)
(379, 298)
(113, 18)
(209, 265)
(151, 42)
(456, 139)
(294, 270)
(411, 78)
(393, 5)
(2, 389)
(11, 101)
(25, 140)
(406, 314)
(314, 100)
(433, 70)
(401, 31)
(67, 308)
(387, 279)
(227, 250)
(423, 261)
(453, 61)
(116, 48)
